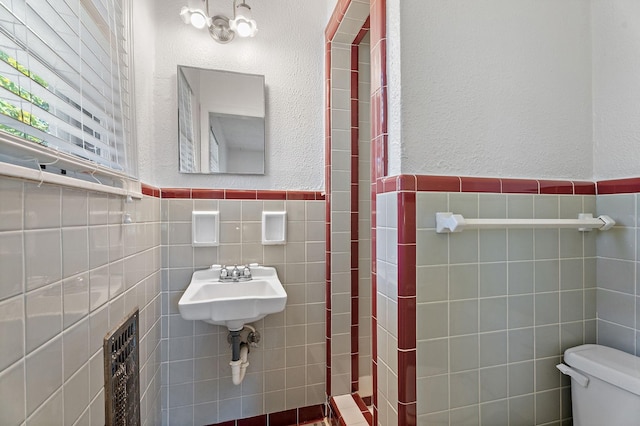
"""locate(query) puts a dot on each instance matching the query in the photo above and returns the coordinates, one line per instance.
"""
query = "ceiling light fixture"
(221, 28)
(242, 23)
(196, 17)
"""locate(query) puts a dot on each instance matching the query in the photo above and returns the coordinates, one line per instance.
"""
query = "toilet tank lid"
(610, 365)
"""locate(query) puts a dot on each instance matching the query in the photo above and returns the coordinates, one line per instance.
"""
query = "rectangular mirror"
(221, 121)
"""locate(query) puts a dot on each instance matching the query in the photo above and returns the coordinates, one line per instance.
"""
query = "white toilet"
(605, 386)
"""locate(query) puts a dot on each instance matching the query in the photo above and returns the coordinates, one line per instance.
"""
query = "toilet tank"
(605, 386)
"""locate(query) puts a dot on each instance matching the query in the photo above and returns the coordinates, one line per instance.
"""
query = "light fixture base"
(220, 30)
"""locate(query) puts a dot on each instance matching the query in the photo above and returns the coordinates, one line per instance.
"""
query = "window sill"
(23, 160)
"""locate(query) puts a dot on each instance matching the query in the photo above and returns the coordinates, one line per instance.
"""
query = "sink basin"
(232, 304)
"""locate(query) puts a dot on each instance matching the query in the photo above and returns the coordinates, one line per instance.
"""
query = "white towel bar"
(448, 222)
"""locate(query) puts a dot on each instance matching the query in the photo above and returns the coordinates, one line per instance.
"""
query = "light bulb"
(242, 23)
(199, 19)
(243, 28)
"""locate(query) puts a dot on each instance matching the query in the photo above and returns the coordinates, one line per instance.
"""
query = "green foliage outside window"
(26, 117)
(23, 135)
(10, 110)
(15, 64)
(17, 90)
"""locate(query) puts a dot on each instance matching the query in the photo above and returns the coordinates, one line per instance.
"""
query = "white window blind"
(185, 118)
(66, 83)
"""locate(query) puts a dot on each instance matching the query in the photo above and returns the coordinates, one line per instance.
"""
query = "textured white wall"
(616, 88)
(288, 51)
(144, 57)
(490, 88)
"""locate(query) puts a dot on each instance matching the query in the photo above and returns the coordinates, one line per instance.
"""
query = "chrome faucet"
(236, 274)
(246, 272)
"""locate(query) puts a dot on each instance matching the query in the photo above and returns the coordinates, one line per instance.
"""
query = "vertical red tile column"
(327, 186)
(355, 235)
(378, 31)
(355, 210)
(330, 32)
(407, 297)
(332, 28)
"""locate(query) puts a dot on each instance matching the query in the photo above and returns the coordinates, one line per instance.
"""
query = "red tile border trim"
(295, 416)
(418, 183)
(232, 194)
(584, 188)
(379, 158)
(175, 193)
(436, 183)
(355, 226)
(619, 186)
(363, 407)
(469, 184)
(336, 416)
(409, 414)
(520, 186)
(150, 191)
(331, 30)
(363, 32)
(336, 18)
(555, 187)
(407, 299)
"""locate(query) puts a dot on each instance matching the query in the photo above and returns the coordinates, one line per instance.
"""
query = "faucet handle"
(235, 272)
(224, 272)
(246, 272)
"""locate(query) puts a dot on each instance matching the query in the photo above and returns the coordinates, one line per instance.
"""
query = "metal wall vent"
(121, 374)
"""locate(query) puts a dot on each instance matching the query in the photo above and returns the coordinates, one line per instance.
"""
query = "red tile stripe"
(233, 194)
(500, 186)
(363, 32)
(419, 183)
(330, 31)
(336, 415)
(505, 185)
(379, 160)
(295, 416)
(407, 302)
(409, 413)
(363, 407)
(355, 231)
(619, 186)
(150, 191)
(336, 18)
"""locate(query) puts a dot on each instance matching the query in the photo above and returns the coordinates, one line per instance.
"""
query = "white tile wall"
(497, 308)
(386, 305)
(62, 263)
(287, 369)
(340, 219)
(618, 293)
(364, 223)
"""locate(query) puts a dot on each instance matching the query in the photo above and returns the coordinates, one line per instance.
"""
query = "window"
(66, 85)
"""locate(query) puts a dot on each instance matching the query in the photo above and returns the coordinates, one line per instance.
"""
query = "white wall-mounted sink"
(230, 303)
